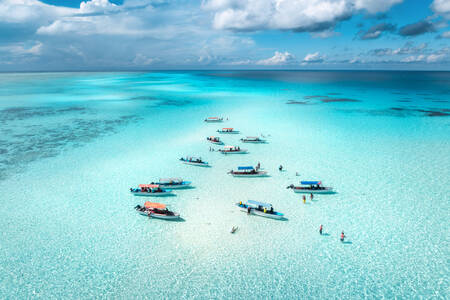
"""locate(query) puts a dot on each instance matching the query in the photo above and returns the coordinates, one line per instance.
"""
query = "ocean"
(72, 144)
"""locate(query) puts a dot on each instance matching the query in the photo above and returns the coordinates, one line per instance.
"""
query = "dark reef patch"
(334, 94)
(330, 100)
(401, 112)
(297, 102)
(314, 96)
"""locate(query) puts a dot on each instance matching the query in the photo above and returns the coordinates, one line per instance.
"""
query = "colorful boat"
(248, 171)
(215, 140)
(260, 209)
(228, 131)
(150, 190)
(311, 187)
(233, 150)
(173, 183)
(213, 120)
(194, 161)
(156, 210)
(253, 139)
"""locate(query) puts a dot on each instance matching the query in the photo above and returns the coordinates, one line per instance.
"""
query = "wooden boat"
(233, 150)
(311, 187)
(215, 140)
(173, 183)
(213, 120)
(227, 131)
(194, 161)
(150, 190)
(234, 229)
(253, 139)
(248, 172)
(157, 210)
(260, 209)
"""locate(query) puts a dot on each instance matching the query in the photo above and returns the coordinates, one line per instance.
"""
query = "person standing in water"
(304, 199)
(280, 168)
(342, 236)
(320, 229)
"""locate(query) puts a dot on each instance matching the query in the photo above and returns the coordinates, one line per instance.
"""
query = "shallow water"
(72, 144)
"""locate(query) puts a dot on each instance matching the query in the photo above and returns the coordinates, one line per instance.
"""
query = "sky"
(64, 35)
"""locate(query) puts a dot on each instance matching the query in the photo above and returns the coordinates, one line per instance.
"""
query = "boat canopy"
(246, 168)
(229, 147)
(252, 137)
(310, 182)
(149, 204)
(168, 180)
(213, 118)
(213, 137)
(151, 186)
(266, 205)
(227, 128)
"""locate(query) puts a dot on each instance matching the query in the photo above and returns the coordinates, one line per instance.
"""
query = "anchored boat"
(311, 187)
(253, 139)
(156, 210)
(228, 131)
(248, 171)
(260, 209)
(195, 161)
(213, 120)
(150, 190)
(215, 140)
(233, 150)
(173, 183)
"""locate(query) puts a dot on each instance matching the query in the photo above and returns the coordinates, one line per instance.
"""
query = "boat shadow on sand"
(179, 220)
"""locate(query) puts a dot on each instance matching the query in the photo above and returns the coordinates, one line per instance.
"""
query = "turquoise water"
(72, 144)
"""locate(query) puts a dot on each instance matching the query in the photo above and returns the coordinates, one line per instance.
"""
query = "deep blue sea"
(72, 144)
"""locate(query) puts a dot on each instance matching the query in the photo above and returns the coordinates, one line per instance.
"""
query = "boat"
(233, 150)
(311, 187)
(156, 210)
(234, 229)
(213, 120)
(248, 171)
(194, 161)
(150, 190)
(215, 140)
(228, 131)
(253, 139)
(260, 209)
(173, 183)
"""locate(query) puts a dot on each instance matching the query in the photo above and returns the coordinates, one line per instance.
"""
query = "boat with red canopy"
(233, 150)
(156, 210)
(215, 140)
(150, 190)
(228, 131)
(213, 120)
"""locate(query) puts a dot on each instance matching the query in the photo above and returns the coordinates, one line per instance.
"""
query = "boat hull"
(195, 164)
(146, 194)
(228, 132)
(164, 217)
(216, 143)
(259, 174)
(234, 152)
(306, 191)
(185, 185)
(254, 142)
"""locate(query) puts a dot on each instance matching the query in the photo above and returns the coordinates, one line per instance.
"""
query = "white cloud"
(142, 60)
(445, 35)
(279, 58)
(325, 34)
(413, 58)
(441, 7)
(97, 6)
(435, 57)
(297, 15)
(313, 58)
(21, 49)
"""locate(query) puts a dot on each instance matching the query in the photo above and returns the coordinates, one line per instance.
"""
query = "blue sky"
(224, 34)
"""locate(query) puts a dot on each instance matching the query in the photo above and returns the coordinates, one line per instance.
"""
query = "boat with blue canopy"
(311, 187)
(248, 171)
(260, 209)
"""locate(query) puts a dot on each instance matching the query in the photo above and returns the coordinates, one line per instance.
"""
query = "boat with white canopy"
(150, 190)
(260, 209)
(253, 139)
(311, 187)
(248, 171)
(194, 161)
(233, 150)
(173, 183)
